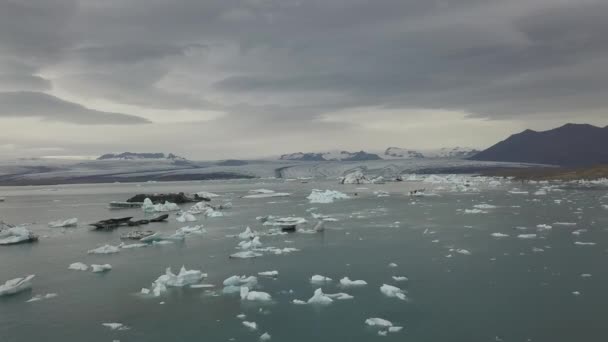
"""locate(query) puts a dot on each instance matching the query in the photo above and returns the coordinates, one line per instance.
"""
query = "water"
(502, 291)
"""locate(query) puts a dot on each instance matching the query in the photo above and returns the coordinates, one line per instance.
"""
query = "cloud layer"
(268, 66)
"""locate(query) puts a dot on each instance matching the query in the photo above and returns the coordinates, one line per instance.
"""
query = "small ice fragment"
(265, 337)
(100, 268)
(73, 222)
(393, 291)
(78, 266)
(250, 325)
(392, 264)
(398, 278)
(576, 293)
(115, 326)
(245, 255)
(105, 249)
(186, 217)
(580, 243)
(394, 329)
(499, 235)
(378, 322)
(527, 236)
(463, 251)
(319, 298)
(16, 285)
(254, 295)
(347, 282)
(269, 274)
(319, 279)
(241, 316)
(585, 275)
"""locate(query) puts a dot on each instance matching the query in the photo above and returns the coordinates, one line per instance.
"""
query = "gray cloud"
(282, 63)
(50, 108)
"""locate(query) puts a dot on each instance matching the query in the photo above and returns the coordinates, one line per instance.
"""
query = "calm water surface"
(507, 289)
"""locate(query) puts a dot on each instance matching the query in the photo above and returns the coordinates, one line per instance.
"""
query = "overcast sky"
(215, 79)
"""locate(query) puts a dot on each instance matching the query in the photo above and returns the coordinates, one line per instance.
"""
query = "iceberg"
(115, 326)
(400, 278)
(250, 325)
(320, 298)
(393, 292)
(245, 255)
(16, 285)
(246, 294)
(73, 222)
(265, 337)
(169, 279)
(499, 235)
(38, 298)
(346, 282)
(247, 234)
(253, 243)
(327, 196)
(356, 177)
(105, 249)
(100, 268)
(186, 217)
(150, 207)
(268, 195)
(319, 279)
(205, 194)
(250, 281)
(378, 322)
(16, 235)
(78, 266)
(527, 236)
(272, 274)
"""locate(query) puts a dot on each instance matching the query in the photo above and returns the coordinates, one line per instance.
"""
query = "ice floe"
(272, 274)
(346, 282)
(356, 177)
(393, 291)
(246, 255)
(115, 326)
(72, 222)
(319, 279)
(320, 298)
(169, 279)
(38, 298)
(249, 295)
(250, 325)
(186, 217)
(239, 281)
(400, 278)
(150, 207)
(265, 337)
(100, 268)
(105, 249)
(527, 236)
(15, 235)
(78, 266)
(581, 243)
(327, 196)
(16, 285)
(499, 235)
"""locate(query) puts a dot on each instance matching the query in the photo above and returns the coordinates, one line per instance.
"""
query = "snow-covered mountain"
(401, 153)
(331, 156)
(451, 152)
(141, 156)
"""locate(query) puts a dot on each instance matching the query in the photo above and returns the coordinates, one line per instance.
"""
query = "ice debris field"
(422, 257)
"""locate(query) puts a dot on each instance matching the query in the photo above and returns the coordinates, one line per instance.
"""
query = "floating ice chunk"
(245, 255)
(319, 279)
(246, 294)
(518, 192)
(527, 236)
(133, 245)
(268, 195)
(15, 235)
(191, 230)
(378, 322)
(585, 275)
(269, 274)
(206, 194)
(105, 249)
(100, 268)
(78, 266)
(16, 285)
(392, 264)
(356, 177)
(564, 224)
(475, 211)
(241, 281)
(319, 227)
(463, 251)
(499, 235)
(398, 278)
(299, 302)
(265, 337)
(183, 278)
(393, 291)
(339, 296)
(382, 332)
(247, 234)
(73, 222)
(38, 298)
(540, 192)
(186, 217)
(320, 298)
(144, 291)
(261, 191)
(253, 243)
(115, 326)
(580, 243)
(241, 316)
(576, 293)
(250, 325)
(162, 242)
(394, 329)
(484, 206)
(543, 227)
(346, 282)
(327, 196)
(150, 207)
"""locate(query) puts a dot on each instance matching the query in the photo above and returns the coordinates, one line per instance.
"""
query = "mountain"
(141, 156)
(401, 153)
(452, 152)
(331, 156)
(568, 145)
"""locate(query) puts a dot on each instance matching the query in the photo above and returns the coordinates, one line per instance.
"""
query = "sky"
(218, 79)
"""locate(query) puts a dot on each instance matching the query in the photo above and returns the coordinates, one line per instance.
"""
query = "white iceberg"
(320, 298)
(150, 207)
(186, 217)
(346, 282)
(265, 337)
(105, 249)
(247, 234)
(527, 236)
(245, 255)
(499, 235)
(16, 285)
(206, 194)
(253, 243)
(15, 235)
(356, 177)
(246, 294)
(400, 278)
(115, 326)
(393, 292)
(183, 278)
(250, 281)
(73, 222)
(38, 298)
(268, 195)
(250, 325)
(327, 196)
(100, 268)
(273, 274)
(78, 266)
(319, 279)
(378, 322)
